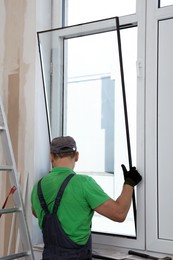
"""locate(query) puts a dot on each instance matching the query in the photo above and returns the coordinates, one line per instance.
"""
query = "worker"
(66, 218)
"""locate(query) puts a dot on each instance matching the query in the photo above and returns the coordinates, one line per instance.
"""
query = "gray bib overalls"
(57, 245)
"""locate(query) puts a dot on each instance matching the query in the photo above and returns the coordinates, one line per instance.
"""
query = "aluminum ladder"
(9, 167)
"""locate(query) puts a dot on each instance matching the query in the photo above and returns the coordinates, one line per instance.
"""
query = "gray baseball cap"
(63, 144)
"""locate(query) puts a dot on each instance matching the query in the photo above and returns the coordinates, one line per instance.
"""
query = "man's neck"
(66, 162)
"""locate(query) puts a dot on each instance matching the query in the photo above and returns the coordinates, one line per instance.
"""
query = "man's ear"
(76, 156)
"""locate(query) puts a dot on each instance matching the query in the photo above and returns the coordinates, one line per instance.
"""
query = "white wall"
(22, 94)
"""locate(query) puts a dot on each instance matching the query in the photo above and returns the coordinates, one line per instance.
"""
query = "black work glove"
(131, 177)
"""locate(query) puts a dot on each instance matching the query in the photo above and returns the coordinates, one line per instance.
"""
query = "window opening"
(93, 106)
(95, 117)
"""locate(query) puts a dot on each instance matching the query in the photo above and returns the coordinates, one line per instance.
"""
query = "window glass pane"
(94, 113)
(80, 11)
(165, 2)
(165, 128)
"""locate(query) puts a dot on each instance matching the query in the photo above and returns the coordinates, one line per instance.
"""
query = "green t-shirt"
(82, 194)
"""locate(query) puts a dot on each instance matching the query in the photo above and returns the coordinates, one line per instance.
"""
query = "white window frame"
(102, 26)
(154, 14)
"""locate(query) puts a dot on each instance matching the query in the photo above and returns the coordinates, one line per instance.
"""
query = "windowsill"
(109, 252)
(122, 253)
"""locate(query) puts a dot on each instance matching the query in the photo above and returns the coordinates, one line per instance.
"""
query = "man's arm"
(117, 210)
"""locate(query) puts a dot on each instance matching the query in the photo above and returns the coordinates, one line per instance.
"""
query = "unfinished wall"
(21, 91)
(17, 89)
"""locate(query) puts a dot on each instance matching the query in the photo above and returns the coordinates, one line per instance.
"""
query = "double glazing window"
(91, 103)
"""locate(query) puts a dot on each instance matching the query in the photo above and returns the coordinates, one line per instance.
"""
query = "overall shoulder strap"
(41, 197)
(60, 192)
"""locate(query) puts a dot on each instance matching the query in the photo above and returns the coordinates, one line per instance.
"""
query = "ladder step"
(2, 128)
(14, 256)
(9, 210)
(6, 167)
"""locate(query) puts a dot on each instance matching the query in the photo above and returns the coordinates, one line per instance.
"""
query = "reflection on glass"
(94, 113)
(163, 3)
(78, 11)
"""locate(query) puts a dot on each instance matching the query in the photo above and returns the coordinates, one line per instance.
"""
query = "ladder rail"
(19, 208)
(15, 256)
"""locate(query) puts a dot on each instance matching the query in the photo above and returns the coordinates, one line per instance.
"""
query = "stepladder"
(13, 221)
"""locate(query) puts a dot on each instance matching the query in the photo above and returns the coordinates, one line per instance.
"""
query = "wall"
(22, 96)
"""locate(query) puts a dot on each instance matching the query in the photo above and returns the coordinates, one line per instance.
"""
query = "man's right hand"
(131, 177)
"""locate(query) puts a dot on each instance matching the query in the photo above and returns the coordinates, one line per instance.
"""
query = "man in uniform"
(64, 203)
